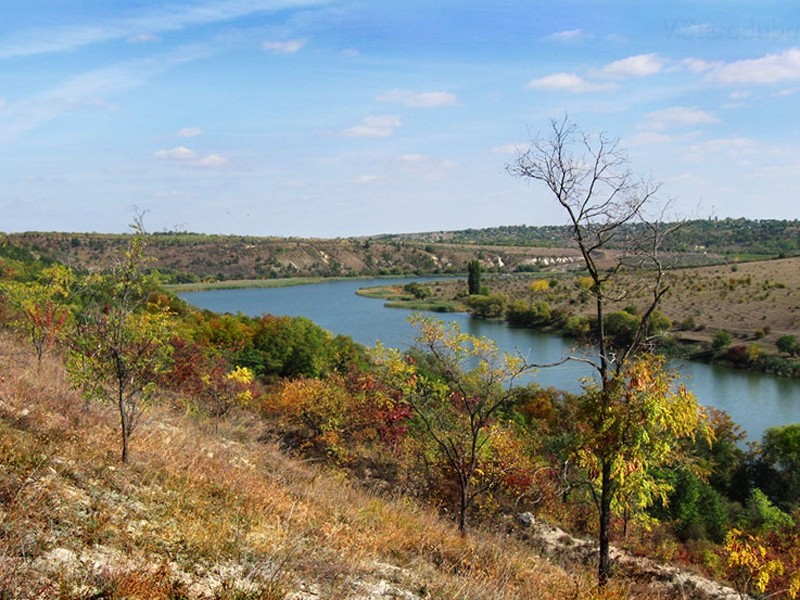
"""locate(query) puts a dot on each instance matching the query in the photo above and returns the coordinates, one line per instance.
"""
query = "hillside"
(221, 512)
(189, 257)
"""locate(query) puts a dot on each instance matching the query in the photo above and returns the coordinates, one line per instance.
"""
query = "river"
(754, 400)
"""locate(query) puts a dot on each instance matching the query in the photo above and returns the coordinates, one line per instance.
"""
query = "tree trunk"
(604, 568)
(463, 489)
(123, 421)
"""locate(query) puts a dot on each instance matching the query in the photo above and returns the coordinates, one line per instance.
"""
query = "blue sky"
(331, 118)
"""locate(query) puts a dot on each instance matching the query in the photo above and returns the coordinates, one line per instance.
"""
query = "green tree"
(788, 344)
(780, 451)
(420, 292)
(721, 341)
(629, 430)
(455, 398)
(589, 177)
(486, 307)
(474, 277)
(291, 347)
(120, 346)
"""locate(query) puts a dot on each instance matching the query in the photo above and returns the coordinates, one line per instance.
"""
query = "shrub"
(788, 344)
(577, 326)
(486, 306)
(529, 315)
(721, 341)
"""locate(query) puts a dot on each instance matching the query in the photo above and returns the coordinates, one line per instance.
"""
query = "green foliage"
(722, 339)
(621, 327)
(486, 307)
(788, 344)
(533, 314)
(43, 308)
(290, 347)
(727, 236)
(456, 389)
(120, 346)
(780, 453)
(697, 510)
(723, 458)
(630, 428)
(577, 326)
(474, 277)
(19, 263)
(420, 292)
(658, 323)
(763, 516)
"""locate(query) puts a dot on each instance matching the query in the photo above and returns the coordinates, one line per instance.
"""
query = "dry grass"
(199, 514)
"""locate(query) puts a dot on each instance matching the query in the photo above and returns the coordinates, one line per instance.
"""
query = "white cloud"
(411, 158)
(167, 17)
(374, 126)
(569, 35)
(89, 90)
(678, 116)
(189, 132)
(211, 160)
(177, 153)
(364, 179)
(641, 65)
(772, 68)
(284, 46)
(184, 155)
(568, 82)
(419, 99)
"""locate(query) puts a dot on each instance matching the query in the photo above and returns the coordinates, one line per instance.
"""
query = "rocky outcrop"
(569, 551)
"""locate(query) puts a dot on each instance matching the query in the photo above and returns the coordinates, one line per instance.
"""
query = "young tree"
(455, 390)
(120, 346)
(609, 220)
(474, 277)
(42, 306)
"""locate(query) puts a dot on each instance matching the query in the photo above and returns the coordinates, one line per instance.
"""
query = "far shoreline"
(238, 284)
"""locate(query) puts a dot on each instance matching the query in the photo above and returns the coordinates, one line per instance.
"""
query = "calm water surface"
(753, 400)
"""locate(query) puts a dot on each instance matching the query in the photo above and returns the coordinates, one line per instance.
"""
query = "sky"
(338, 118)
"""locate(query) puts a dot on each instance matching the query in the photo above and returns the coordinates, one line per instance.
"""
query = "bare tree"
(607, 207)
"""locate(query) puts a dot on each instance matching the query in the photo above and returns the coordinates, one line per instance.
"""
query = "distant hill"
(185, 258)
(776, 238)
(190, 257)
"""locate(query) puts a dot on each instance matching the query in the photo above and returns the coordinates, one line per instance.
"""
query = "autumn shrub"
(339, 414)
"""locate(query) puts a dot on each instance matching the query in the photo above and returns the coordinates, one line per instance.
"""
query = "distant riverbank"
(241, 284)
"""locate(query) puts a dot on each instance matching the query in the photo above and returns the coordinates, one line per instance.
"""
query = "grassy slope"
(199, 514)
